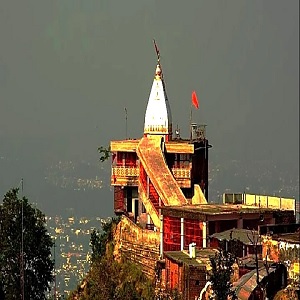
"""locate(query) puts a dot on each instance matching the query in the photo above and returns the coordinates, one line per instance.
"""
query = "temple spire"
(158, 119)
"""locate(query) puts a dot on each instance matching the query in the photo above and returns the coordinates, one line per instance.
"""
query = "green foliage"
(36, 258)
(132, 283)
(104, 153)
(167, 294)
(110, 279)
(220, 275)
(97, 244)
(99, 239)
(174, 295)
(1, 291)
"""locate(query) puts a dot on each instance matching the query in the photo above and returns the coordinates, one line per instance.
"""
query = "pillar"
(207, 235)
(148, 219)
(240, 223)
(133, 206)
(181, 234)
(161, 236)
(204, 235)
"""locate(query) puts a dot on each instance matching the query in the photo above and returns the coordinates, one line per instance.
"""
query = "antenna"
(125, 122)
(177, 132)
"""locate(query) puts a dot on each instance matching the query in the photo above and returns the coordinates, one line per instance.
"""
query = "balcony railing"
(125, 171)
(180, 173)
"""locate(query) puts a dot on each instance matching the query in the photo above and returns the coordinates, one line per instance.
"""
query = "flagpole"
(157, 51)
(191, 117)
(158, 62)
(196, 104)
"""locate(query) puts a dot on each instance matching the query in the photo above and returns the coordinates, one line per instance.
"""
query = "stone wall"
(141, 246)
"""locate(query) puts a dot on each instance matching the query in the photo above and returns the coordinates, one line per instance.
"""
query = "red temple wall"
(126, 159)
(173, 275)
(171, 232)
(193, 233)
(119, 204)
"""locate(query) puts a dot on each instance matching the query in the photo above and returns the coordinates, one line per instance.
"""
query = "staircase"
(162, 184)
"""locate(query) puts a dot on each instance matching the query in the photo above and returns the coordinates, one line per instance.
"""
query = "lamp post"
(22, 242)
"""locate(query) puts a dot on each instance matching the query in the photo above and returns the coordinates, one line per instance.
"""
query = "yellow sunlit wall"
(260, 200)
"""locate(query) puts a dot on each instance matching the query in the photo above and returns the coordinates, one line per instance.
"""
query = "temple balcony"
(182, 176)
(124, 175)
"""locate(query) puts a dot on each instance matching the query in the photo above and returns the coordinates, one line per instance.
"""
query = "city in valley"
(71, 250)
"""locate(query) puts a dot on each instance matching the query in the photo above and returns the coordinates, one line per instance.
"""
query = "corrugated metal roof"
(288, 237)
(247, 283)
(245, 236)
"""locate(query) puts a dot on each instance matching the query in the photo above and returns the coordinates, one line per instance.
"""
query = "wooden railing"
(181, 173)
(125, 171)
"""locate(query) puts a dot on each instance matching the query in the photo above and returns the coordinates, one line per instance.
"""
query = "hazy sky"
(68, 68)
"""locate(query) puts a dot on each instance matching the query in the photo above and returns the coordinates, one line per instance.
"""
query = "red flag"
(195, 100)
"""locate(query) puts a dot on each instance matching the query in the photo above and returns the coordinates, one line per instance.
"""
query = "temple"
(159, 169)
(160, 184)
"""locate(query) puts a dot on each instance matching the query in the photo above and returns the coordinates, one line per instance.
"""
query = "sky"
(68, 70)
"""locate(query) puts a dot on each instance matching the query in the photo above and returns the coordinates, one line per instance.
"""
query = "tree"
(261, 288)
(221, 271)
(24, 274)
(109, 278)
(99, 240)
(105, 153)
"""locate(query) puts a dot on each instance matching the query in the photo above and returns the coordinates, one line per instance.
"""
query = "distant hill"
(56, 185)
